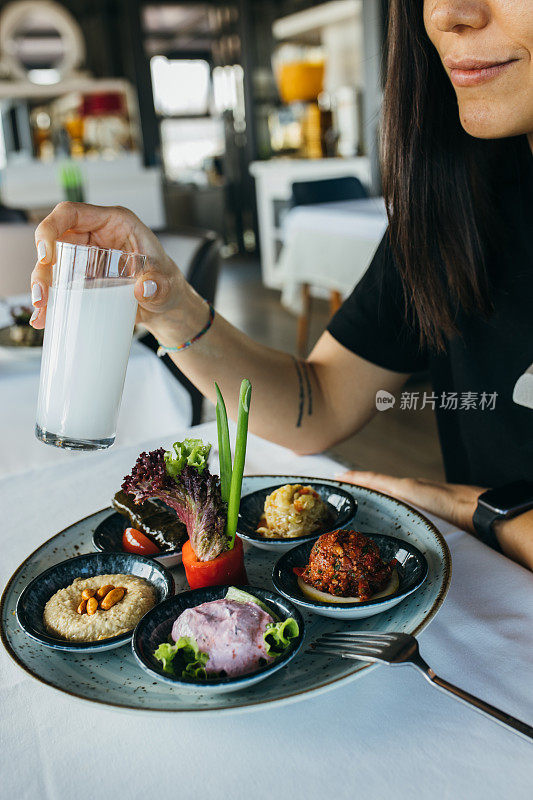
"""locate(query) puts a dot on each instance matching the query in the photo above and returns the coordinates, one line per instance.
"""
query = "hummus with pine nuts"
(63, 618)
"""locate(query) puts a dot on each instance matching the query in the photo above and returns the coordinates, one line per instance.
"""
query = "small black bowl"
(107, 538)
(31, 603)
(412, 570)
(342, 507)
(155, 627)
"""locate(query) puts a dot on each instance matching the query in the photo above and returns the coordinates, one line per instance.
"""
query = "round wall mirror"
(40, 41)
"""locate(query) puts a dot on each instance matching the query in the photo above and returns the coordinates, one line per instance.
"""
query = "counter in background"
(123, 181)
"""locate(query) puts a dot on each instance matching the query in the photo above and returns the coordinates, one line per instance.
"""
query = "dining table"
(328, 247)
(388, 734)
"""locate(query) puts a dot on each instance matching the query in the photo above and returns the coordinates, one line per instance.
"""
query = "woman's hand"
(158, 290)
(453, 502)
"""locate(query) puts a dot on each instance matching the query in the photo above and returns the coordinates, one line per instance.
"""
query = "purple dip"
(231, 633)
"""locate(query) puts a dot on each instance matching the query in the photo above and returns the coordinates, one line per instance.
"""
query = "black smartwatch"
(503, 503)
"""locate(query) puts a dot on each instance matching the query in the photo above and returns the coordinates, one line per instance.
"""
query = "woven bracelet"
(163, 350)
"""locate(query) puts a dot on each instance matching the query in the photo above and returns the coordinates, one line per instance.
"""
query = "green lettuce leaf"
(191, 451)
(243, 597)
(192, 660)
(165, 653)
(278, 636)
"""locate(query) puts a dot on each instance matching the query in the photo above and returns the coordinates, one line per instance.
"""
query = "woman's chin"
(482, 121)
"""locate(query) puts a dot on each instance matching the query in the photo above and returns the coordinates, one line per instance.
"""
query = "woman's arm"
(455, 503)
(305, 405)
(516, 538)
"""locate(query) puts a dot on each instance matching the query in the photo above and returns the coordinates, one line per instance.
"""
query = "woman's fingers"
(41, 278)
(106, 226)
(151, 289)
(38, 318)
(375, 480)
(156, 288)
(455, 503)
(64, 217)
(79, 223)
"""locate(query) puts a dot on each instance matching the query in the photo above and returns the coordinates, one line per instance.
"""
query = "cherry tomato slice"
(133, 541)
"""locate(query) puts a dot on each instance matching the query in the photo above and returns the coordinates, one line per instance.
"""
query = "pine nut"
(112, 598)
(103, 590)
(92, 605)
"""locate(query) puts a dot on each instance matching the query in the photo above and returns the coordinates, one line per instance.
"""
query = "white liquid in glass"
(85, 354)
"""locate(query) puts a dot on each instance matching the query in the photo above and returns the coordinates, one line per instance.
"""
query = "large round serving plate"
(113, 678)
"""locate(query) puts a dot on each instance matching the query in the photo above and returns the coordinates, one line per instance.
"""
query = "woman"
(450, 288)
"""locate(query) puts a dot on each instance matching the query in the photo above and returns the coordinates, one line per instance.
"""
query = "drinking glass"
(89, 324)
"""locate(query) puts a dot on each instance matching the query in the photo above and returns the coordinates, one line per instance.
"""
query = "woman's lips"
(472, 73)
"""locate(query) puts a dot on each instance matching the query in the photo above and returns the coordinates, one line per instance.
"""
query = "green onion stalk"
(224, 447)
(231, 478)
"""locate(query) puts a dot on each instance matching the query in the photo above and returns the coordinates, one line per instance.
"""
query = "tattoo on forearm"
(305, 367)
(300, 393)
(305, 392)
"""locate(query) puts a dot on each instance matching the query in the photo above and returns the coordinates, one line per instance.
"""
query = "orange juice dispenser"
(301, 81)
(300, 78)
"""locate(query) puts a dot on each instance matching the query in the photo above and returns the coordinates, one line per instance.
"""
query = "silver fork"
(401, 648)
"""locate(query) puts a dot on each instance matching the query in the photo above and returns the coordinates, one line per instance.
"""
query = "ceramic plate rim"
(287, 698)
(22, 349)
(37, 349)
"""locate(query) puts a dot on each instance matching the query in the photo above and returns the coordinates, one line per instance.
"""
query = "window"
(180, 87)
(187, 143)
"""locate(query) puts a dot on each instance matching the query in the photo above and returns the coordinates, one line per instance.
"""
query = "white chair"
(327, 247)
(197, 253)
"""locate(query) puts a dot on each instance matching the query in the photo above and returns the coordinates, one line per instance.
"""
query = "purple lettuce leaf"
(195, 498)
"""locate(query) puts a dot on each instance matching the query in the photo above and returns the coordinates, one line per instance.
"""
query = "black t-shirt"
(486, 438)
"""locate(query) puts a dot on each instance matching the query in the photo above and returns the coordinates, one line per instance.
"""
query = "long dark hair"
(435, 182)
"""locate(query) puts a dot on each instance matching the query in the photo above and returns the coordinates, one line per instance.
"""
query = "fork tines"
(356, 639)
(357, 636)
(353, 644)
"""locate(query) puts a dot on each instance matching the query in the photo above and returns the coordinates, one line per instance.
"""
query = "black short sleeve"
(372, 321)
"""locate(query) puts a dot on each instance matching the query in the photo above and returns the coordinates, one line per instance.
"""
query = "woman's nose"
(450, 15)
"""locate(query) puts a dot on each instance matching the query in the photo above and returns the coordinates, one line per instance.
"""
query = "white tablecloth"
(153, 404)
(387, 735)
(329, 245)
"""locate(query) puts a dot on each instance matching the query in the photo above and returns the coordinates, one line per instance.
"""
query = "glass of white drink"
(89, 325)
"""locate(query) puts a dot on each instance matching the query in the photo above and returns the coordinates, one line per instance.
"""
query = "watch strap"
(484, 519)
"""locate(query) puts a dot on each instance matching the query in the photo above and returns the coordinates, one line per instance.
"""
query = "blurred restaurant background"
(244, 134)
